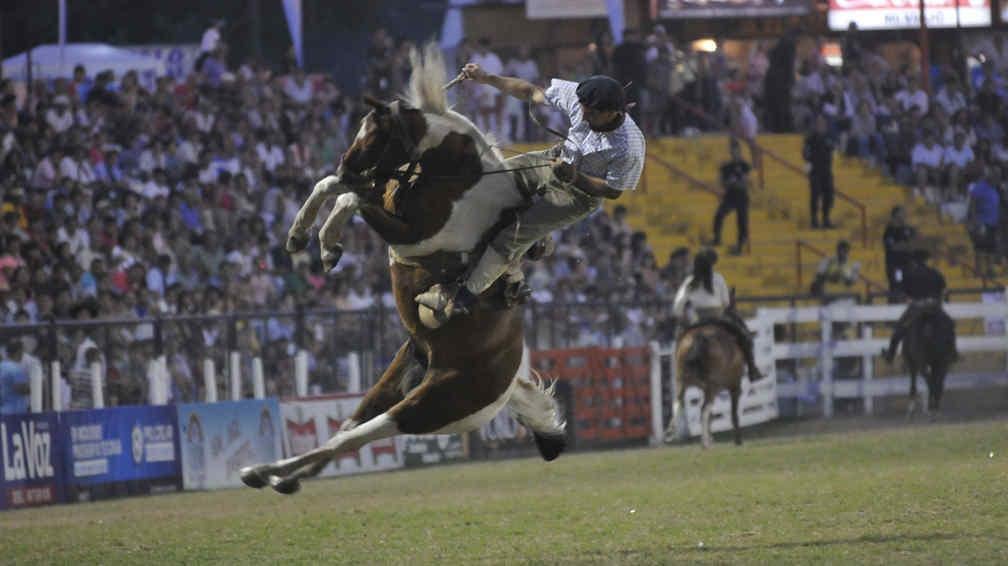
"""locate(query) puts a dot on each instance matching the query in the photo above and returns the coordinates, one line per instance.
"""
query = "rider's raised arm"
(518, 88)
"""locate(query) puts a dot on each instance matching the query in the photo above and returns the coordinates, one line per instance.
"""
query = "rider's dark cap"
(601, 93)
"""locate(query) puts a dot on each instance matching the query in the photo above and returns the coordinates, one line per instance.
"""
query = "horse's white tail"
(532, 402)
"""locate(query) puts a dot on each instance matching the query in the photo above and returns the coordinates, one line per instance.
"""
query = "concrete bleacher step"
(673, 213)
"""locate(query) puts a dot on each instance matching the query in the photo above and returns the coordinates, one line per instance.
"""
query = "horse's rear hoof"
(331, 257)
(550, 445)
(251, 477)
(286, 486)
(296, 242)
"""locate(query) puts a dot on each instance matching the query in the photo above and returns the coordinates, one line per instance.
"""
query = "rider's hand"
(564, 171)
(473, 71)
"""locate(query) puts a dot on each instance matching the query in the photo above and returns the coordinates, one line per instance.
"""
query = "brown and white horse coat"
(457, 377)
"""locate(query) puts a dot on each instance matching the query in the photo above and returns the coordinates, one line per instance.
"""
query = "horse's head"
(388, 138)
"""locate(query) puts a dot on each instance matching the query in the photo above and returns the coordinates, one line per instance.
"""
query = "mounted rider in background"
(704, 297)
(925, 288)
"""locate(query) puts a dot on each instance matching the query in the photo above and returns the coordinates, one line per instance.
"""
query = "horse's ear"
(731, 298)
(379, 106)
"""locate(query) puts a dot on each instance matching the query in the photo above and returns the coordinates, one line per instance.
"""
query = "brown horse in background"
(708, 356)
(929, 350)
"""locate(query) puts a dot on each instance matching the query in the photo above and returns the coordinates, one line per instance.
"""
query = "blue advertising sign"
(31, 458)
(219, 439)
(120, 451)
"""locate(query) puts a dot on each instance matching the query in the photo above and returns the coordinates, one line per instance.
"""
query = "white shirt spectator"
(950, 101)
(908, 99)
(960, 157)
(486, 95)
(211, 38)
(77, 169)
(302, 94)
(59, 120)
(150, 189)
(188, 152)
(928, 156)
(270, 155)
(78, 239)
(150, 161)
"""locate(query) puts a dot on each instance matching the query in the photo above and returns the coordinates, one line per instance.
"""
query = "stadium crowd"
(131, 203)
(120, 202)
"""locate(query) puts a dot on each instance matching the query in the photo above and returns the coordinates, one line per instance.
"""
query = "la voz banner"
(120, 451)
(218, 439)
(31, 458)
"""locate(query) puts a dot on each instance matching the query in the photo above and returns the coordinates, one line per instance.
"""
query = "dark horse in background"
(929, 350)
(424, 178)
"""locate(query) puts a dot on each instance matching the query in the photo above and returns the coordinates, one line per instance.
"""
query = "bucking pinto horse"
(453, 190)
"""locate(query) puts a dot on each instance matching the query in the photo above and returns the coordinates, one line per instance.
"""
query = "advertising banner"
(31, 458)
(219, 439)
(309, 422)
(179, 59)
(501, 437)
(905, 14)
(549, 9)
(120, 451)
(683, 9)
(429, 449)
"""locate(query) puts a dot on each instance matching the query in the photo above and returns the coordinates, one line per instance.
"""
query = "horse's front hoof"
(252, 477)
(286, 486)
(331, 257)
(296, 242)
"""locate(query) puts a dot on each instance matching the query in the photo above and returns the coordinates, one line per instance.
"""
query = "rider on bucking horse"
(704, 297)
(601, 157)
(925, 287)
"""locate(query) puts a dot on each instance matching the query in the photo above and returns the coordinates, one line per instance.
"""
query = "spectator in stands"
(818, 155)
(957, 158)
(897, 240)
(15, 387)
(524, 67)
(927, 160)
(913, 96)
(735, 184)
(983, 216)
(836, 274)
(778, 83)
(489, 100)
(865, 140)
(211, 40)
(630, 67)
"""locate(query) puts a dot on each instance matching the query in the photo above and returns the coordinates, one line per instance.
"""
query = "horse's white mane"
(426, 87)
(426, 92)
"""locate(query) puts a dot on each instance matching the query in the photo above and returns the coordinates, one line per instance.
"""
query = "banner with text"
(684, 9)
(905, 14)
(120, 451)
(32, 461)
(309, 422)
(557, 9)
(219, 439)
(430, 449)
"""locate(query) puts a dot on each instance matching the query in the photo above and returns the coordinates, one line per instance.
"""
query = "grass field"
(923, 495)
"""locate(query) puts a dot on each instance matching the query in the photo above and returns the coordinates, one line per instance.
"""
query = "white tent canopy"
(50, 61)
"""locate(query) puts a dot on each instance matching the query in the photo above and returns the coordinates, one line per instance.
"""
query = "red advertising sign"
(905, 14)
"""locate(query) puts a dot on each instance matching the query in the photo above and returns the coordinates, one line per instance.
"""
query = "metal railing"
(763, 151)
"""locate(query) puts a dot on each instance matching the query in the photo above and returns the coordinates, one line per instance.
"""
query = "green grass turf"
(918, 495)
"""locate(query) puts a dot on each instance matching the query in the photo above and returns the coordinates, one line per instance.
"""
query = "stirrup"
(517, 293)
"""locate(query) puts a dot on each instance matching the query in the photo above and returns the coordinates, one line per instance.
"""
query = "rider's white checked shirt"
(616, 156)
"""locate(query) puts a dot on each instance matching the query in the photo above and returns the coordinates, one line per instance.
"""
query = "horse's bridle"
(400, 132)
